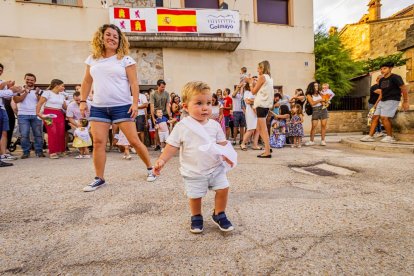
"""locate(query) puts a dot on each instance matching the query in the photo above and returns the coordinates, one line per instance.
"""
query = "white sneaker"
(323, 143)
(388, 139)
(79, 156)
(8, 157)
(367, 138)
(151, 177)
(379, 134)
(128, 157)
(87, 156)
(310, 143)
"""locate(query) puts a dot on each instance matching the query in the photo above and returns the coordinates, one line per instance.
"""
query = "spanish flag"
(138, 26)
(177, 21)
(121, 13)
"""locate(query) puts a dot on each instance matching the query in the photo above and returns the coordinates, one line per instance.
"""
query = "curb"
(377, 146)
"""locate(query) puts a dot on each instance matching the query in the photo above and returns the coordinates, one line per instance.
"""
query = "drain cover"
(323, 169)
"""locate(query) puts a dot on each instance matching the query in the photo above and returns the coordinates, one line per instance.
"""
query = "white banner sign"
(218, 21)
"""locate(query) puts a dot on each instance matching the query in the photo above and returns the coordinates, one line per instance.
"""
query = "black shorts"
(140, 123)
(262, 112)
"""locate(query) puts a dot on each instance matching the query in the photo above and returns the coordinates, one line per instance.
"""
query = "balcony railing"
(74, 3)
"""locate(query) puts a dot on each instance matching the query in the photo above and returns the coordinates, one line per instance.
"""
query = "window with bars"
(76, 3)
(273, 11)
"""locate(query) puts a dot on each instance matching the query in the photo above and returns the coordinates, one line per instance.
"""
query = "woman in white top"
(53, 116)
(263, 90)
(314, 97)
(251, 120)
(114, 76)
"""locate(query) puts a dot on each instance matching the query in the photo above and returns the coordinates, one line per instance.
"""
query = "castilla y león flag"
(138, 26)
(176, 20)
(121, 13)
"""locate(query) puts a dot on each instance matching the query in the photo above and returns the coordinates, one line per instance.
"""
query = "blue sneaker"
(96, 183)
(196, 224)
(222, 222)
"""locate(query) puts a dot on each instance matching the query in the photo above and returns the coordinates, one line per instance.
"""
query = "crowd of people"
(277, 120)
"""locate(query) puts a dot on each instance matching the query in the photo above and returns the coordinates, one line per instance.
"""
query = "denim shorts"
(227, 120)
(319, 113)
(239, 119)
(197, 187)
(5, 117)
(114, 114)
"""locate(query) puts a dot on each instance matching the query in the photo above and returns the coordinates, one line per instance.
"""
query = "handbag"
(308, 108)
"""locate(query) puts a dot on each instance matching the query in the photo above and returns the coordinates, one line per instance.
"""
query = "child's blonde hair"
(194, 88)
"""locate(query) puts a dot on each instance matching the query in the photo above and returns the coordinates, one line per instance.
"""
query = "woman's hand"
(83, 107)
(133, 110)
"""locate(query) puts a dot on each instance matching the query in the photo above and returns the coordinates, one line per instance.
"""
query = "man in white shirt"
(73, 113)
(239, 119)
(141, 120)
(27, 118)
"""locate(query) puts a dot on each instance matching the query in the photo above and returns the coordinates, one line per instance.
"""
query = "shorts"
(239, 119)
(319, 113)
(262, 112)
(163, 136)
(197, 187)
(5, 117)
(112, 114)
(387, 108)
(227, 120)
(140, 123)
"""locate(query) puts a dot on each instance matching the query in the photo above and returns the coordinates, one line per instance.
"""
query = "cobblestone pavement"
(357, 217)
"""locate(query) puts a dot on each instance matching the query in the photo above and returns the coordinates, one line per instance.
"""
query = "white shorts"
(163, 136)
(197, 187)
(387, 108)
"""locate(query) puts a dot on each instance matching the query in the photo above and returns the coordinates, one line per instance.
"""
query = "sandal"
(53, 156)
(243, 147)
(264, 156)
(259, 148)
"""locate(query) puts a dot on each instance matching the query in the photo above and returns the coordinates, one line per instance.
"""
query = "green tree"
(333, 63)
(375, 64)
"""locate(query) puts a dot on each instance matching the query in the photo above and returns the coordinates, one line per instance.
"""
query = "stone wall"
(375, 39)
(347, 121)
(356, 38)
(150, 65)
(387, 34)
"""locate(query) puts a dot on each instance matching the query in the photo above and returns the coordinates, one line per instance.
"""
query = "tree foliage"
(375, 64)
(333, 63)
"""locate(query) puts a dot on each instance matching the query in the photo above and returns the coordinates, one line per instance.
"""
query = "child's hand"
(228, 161)
(157, 127)
(159, 164)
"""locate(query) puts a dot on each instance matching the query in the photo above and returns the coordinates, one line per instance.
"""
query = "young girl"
(123, 142)
(82, 140)
(279, 127)
(296, 125)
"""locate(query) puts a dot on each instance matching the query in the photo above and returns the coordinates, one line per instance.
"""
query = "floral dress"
(295, 127)
(278, 137)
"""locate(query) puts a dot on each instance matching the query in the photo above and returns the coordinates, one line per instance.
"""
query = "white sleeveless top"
(264, 97)
(317, 98)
